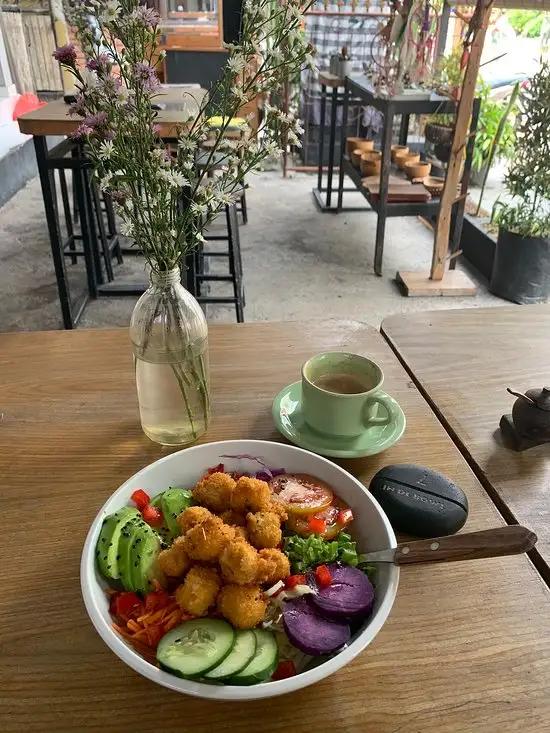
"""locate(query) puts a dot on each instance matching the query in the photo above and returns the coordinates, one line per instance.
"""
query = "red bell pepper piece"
(322, 575)
(152, 515)
(344, 517)
(284, 671)
(122, 604)
(317, 525)
(140, 498)
(293, 580)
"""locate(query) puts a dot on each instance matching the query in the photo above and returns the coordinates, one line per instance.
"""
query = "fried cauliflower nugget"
(242, 605)
(215, 492)
(206, 540)
(273, 565)
(192, 516)
(234, 518)
(264, 529)
(239, 563)
(240, 533)
(175, 561)
(250, 495)
(199, 590)
(277, 508)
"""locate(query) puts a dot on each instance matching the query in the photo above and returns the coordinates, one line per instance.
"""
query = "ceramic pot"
(398, 150)
(404, 158)
(417, 170)
(370, 166)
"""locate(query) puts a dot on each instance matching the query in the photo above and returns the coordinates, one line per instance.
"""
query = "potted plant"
(521, 271)
(491, 112)
(478, 239)
(163, 198)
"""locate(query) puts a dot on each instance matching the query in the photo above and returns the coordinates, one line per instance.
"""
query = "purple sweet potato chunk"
(310, 632)
(350, 595)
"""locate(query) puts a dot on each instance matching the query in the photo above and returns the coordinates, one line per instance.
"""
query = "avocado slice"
(131, 537)
(162, 529)
(174, 501)
(145, 565)
(107, 543)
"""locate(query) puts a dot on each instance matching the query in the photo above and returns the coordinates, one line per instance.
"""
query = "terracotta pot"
(356, 157)
(434, 185)
(351, 144)
(370, 164)
(400, 160)
(398, 150)
(364, 145)
(417, 170)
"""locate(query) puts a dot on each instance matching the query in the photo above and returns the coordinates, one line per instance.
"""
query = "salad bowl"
(371, 530)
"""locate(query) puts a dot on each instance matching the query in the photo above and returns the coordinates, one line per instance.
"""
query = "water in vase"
(173, 394)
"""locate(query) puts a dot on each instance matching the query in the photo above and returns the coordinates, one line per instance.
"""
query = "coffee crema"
(343, 383)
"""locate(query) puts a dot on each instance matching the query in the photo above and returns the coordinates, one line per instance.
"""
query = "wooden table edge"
(509, 517)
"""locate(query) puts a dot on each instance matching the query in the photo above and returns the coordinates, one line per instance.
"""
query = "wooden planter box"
(477, 245)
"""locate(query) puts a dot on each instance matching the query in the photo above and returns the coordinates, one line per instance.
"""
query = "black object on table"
(405, 106)
(329, 81)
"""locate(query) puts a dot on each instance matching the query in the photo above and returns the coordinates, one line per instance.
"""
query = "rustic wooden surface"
(53, 118)
(467, 645)
(464, 360)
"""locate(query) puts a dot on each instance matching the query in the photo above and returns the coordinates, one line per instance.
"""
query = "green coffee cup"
(341, 395)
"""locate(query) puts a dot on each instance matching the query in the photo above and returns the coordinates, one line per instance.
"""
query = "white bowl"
(370, 528)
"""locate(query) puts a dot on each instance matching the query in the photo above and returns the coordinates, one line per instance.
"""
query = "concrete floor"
(299, 264)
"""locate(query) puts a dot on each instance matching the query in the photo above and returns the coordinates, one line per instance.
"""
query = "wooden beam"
(464, 112)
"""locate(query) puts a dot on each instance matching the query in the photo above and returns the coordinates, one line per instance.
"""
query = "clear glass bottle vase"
(170, 344)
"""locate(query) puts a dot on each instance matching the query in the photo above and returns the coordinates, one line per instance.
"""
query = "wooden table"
(464, 360)
(466, 647)
(53, 118)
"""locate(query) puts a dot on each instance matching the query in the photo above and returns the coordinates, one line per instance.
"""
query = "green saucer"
(287, 414)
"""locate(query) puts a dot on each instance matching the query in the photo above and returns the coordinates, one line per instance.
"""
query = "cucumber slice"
(195, 647)
(174, 501)
(238, 658)
(264, 662)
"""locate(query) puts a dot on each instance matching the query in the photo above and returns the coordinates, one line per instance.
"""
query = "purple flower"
(149, 17)
(78, 107)
(65, 54)
(118, 196)
(100, 64)
(156, 129)
(81, 131)
(145, 75)
(96, 120)
(109, 134)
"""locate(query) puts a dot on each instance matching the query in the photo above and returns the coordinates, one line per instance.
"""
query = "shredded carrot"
(145, 632)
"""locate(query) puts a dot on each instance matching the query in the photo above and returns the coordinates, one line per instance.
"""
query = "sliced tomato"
(316, 524)
(301, 493)
(335, 518)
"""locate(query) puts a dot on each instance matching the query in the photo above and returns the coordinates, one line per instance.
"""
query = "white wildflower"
(173, 234)
(110, 11)
(199, 209)
(199, 237)
(187, 143)
(105, 181)
(230, 46)
(298, 129)
(188, 165)
(173, 178)
(90, 78)
(236, 63)
(106, 150)
(162, 54)
(127, 228)
(239, 95)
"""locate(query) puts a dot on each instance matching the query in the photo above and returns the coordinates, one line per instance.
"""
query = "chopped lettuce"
(306, 553)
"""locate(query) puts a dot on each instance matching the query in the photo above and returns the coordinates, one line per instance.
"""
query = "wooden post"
(464, 111)
(61, 34)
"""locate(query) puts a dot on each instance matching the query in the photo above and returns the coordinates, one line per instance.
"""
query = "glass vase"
(170, 344)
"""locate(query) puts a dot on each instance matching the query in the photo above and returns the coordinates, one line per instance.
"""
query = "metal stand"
(329, 81)
(405, 106)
